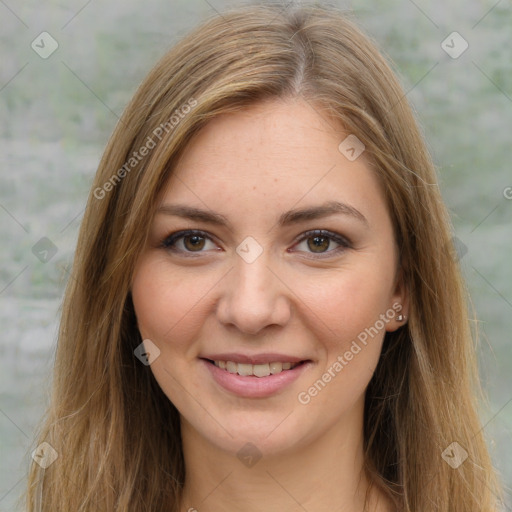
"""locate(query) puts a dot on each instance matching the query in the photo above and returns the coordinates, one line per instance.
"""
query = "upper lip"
(254, 358)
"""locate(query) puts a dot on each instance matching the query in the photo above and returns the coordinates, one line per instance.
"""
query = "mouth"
(260, 376)
(255, 370)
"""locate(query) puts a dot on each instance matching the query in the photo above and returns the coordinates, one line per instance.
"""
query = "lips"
(255, 376)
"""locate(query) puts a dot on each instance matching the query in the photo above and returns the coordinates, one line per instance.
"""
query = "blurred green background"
(57, 114)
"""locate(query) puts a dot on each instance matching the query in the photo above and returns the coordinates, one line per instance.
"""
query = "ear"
(399, 304)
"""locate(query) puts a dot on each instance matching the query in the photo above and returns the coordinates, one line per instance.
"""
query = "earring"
(401, 318)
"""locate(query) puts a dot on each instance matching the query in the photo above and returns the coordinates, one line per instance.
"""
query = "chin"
(265, 433)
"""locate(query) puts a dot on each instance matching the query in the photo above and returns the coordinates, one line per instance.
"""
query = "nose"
(254, 297)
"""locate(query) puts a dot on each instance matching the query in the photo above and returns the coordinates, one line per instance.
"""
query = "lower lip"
(255, 387)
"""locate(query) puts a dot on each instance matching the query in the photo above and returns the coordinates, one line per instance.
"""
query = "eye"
(188, 242)
(317, 242)
(320, 241)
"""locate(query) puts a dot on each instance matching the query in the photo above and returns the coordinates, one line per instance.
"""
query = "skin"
(251, 167)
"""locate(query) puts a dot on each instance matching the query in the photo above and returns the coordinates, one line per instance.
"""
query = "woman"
(265, 313)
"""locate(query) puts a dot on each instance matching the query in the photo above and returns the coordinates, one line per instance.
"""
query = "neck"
(323, 474)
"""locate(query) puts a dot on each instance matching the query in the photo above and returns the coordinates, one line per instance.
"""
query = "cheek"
(344, 321)
(350, 302)
(167, 303)
(345, 316)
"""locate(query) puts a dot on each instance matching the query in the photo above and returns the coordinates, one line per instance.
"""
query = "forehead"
(270, 157)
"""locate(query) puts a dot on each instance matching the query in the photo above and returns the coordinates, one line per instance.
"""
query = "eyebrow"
(286, 219)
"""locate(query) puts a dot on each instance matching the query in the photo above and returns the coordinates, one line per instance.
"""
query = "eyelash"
(168, 242)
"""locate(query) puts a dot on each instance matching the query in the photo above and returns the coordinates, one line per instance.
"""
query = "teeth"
(231, 367)
(261, 370)
(258, 370)
(276, 368)
(244, 369)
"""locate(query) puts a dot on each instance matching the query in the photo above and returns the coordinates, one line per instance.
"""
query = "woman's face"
(271, 249)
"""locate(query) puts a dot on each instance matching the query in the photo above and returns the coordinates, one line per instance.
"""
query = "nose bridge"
(253, 281)
(253, 297)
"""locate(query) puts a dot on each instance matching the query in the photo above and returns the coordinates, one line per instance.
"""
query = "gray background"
(57, 114)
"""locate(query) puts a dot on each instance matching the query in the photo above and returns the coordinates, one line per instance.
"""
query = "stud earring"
(401, 318)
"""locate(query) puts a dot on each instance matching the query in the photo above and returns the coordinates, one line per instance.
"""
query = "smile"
(256, 370)
(260, 380)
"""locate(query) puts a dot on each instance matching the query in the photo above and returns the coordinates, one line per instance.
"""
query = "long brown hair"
(116, 434)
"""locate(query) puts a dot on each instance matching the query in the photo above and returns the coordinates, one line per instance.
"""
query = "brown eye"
(323, 243)
(318, 243)
(193, 242)
(188, 242)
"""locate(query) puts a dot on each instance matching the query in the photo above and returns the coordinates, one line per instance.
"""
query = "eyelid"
(172, 238)
(337, 237)
(343, 242)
